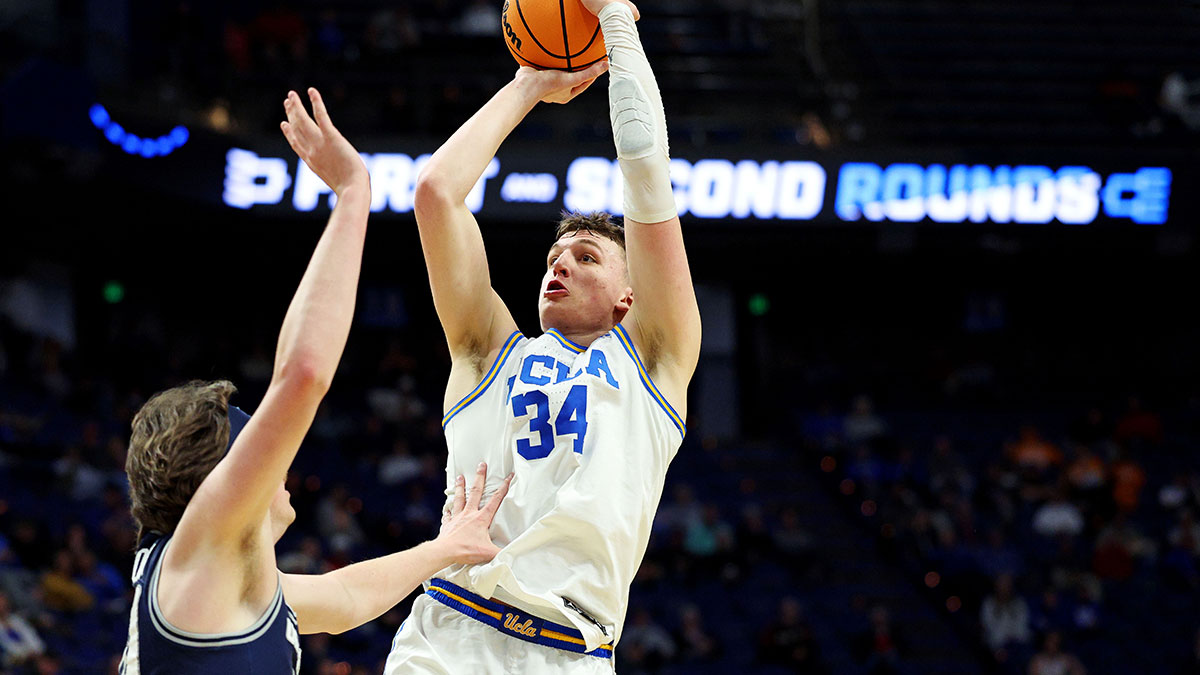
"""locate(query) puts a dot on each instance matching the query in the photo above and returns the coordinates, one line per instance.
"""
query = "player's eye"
(587, 257)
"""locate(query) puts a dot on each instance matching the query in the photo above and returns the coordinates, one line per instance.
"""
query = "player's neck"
(581, 337)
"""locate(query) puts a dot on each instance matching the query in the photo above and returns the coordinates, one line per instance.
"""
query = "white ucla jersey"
(589, 438)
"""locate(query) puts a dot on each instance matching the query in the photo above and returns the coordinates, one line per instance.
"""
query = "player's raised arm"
(473, 317)
(355, 594)
(234, 498)
(664, 319)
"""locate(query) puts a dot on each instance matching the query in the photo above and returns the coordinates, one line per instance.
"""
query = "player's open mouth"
(555, 289)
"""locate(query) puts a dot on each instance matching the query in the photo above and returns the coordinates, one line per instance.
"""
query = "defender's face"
(586, 285)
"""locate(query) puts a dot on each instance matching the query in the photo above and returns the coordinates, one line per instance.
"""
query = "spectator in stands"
(681, 512)
(645, 645)
(999, 556)
(1037, 459)
(481, 18)
(400, 466)
(102, 581)
(947, 470)
(1180, 560)
(1087, 477)
(1058, 517)
(1004, 618)
(281, 36)
(1138, 425)
(1086, 610)
(793, 542)
(1182, 492)
(1185, 533)
(391, 30)
(1120, 548)
(1128, 479)
(788, 641)
(20, 643)
(61, 590)
(307, 559)
(866, 470)
(862, 425)
(881, 648)
(710, 540)
(1179, 100)
(80, 480)
(696, 643)
(1051, 613)
(332, 45)
(337, 523)
(754, 540)
(1051, 660)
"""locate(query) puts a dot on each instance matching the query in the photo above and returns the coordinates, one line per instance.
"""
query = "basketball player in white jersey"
(207, 480)
(588, 415)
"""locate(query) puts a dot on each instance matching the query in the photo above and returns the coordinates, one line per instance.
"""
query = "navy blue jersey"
(270, 647)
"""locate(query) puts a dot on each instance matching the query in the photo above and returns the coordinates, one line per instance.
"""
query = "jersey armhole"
(488, 378)
(189, 639)
(631, 350)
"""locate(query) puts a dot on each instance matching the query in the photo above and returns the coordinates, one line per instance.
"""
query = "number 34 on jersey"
(571, 418)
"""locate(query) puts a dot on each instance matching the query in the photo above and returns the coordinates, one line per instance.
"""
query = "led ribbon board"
(772, 190)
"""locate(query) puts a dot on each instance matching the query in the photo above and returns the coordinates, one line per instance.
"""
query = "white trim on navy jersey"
(190, 639)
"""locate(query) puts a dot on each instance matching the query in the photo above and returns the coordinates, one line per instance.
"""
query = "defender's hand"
(465, 527)
(320, 145)
(559, 86)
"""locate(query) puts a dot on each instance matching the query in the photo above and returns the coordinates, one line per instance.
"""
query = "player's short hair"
(598, 223)
(178, 436)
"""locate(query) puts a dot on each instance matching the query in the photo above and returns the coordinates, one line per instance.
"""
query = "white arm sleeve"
(638, 121)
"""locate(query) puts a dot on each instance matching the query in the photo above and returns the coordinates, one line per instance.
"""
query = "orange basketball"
(552, 34)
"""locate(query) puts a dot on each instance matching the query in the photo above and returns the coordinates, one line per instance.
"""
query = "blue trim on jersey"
(577, 348)
(487, 379)
(512, 621)
(627, 343)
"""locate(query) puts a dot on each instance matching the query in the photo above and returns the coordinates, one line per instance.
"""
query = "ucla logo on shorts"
(513, 622)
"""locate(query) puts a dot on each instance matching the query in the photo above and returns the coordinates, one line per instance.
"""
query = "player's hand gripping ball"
(552, 34)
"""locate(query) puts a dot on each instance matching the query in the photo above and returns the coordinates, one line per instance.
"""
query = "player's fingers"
(289, 132)
(580, 88)
(318, 104)
(494, 503)
(595, 70)
(460, 495)
(298, 116)
(475, 494)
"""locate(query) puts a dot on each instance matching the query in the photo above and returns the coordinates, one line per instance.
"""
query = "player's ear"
(625, 301)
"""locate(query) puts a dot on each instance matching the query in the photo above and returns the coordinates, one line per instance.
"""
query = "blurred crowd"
(1069, 545)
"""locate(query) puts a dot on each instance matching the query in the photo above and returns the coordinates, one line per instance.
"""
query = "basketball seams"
(532, 35)
(562, 20)
(570, 58)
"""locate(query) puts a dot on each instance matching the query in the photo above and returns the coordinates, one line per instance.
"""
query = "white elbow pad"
(638, 121)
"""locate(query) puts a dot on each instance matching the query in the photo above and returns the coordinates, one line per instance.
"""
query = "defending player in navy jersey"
(207, 480)
(589, 414)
